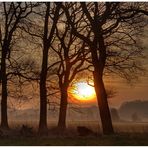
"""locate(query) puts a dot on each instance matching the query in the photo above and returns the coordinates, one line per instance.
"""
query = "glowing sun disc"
(83, 92)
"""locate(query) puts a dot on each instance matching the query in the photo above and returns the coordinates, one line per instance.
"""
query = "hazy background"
(129, 99)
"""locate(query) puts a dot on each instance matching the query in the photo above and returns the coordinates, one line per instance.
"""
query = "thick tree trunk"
(4, 116)
(63, 109)
(43, 93)
(103, 104)
(47, 38)
(99, 65)
(43, 108)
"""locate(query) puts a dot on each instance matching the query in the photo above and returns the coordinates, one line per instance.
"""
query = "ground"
(116, 140)
(127, 134)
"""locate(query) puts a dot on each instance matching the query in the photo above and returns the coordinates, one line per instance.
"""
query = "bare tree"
(104, 20)
(71, 54)
(48, 35)
(12, 15)
(41, 29)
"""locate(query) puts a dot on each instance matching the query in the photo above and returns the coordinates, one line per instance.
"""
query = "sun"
(82, 91)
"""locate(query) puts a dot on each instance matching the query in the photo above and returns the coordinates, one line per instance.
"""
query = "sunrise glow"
(82, 91)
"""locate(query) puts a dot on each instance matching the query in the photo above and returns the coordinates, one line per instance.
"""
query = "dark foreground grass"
(112, 140)
(127, 134)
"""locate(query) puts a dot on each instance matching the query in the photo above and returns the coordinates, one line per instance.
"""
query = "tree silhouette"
(104, 20)
(47, 40)
(105, 36)
(13, 15)
(72, 55)
(42, 35)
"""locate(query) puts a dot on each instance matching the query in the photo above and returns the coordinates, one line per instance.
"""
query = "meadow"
(126, 133)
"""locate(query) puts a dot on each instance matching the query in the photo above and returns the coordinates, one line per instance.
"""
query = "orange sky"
(139, 90)
(125, 92)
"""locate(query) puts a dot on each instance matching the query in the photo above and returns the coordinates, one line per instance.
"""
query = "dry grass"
(119, 127)
(129, 127)
(127, 133)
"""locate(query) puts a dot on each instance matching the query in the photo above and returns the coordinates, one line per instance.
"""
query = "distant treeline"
(139, 107)
(125, 112)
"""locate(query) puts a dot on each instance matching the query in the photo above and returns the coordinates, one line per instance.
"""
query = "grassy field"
(133, 134)
(119, 127)
(114, 140)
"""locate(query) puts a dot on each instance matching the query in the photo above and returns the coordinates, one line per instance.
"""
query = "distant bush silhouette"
(135, 117)
(115, 115)
(127, 109)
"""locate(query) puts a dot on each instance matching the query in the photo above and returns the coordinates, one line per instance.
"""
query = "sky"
(127, 92)
(136, 91)
(124, 91)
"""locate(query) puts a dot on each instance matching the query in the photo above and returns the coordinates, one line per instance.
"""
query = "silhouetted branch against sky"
(51, 45)
(122, 25)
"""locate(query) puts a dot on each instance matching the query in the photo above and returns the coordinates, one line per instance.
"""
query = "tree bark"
(103, 104)
(43, 93)
(63, 108)
(4, 116)
(47, 38)
(99, 65)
